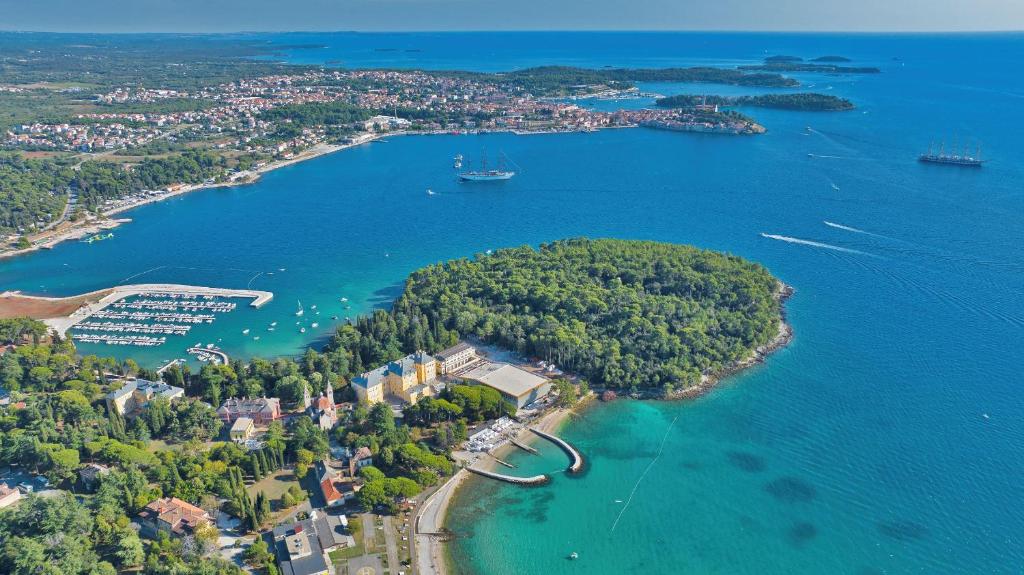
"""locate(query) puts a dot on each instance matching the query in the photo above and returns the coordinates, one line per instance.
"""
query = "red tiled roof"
(180, 516)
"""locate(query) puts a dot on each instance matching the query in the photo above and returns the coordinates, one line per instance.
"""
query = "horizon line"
(525, 30)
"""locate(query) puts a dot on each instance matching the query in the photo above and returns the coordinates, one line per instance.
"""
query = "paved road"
(429, 519)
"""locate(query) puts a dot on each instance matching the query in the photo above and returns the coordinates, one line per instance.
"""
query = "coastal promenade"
(428, 555)
(99, 300)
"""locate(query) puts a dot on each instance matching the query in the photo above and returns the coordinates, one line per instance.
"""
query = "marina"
(141, 315)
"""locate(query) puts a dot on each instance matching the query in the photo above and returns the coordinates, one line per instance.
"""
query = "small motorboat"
(574, 555)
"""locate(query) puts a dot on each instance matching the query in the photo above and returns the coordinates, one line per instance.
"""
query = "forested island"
(804, 101)
(561, 80)
(825, 64)
(622, 314)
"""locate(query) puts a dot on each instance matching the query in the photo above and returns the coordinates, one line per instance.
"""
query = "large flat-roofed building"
(518, 386)
(454, 357)
(133, 396)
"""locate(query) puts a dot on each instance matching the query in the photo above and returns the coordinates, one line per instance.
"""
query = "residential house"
(172, 516)
(362, 458)
(335, 491)
(90, 474)
(8, 495)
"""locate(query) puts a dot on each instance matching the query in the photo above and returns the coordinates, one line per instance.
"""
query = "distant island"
(786, 59)
(807, 67)
(804, 102)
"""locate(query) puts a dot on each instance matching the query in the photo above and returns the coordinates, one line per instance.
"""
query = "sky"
(402, 15)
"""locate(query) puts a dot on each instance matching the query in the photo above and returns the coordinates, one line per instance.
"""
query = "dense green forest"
(31, 189)
(789, 66)
(620, 313)
(174, 61)
(803, 101)
(559, 80)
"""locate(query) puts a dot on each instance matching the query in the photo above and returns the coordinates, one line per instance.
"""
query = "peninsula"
(807, 102)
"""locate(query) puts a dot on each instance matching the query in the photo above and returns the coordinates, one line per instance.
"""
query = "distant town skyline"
(485, 15)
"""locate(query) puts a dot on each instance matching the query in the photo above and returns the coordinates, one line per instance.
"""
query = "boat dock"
(576, 464)
(535, 480)
(209, 354)
(159, 302)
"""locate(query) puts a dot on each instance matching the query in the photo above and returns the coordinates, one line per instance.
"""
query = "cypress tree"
(257, 471)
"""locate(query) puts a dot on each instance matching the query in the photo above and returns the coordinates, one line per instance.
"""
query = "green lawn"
(274, 485)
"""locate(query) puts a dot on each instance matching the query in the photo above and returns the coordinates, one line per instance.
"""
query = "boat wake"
(811, 243)
(644, 474)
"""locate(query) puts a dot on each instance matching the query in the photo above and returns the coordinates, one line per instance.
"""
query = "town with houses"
(230, 115)
(330, 532)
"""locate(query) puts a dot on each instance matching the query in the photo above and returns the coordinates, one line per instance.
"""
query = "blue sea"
(887, 438)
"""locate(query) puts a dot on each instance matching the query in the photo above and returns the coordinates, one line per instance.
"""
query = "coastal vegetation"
(562, 80)
(622, 314)
(803, 101)
(797, 66)
(34, 191)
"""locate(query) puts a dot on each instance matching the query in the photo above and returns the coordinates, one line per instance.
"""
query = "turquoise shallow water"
(885, 439)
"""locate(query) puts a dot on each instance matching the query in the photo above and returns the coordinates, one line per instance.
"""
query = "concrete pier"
(535, 480)
(524, 447)
(576, 464)
(505, 463)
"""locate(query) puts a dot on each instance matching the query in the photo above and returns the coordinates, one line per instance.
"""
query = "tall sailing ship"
(484, 174)
(941, 157)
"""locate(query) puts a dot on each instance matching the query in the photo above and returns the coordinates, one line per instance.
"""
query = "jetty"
(535, 480)
(576, 460)
(524, 447)
(505, 463)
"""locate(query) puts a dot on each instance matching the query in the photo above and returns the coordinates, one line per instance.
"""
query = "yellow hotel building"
(408, 378)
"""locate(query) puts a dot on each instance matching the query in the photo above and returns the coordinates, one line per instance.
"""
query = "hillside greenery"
(803, 101)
